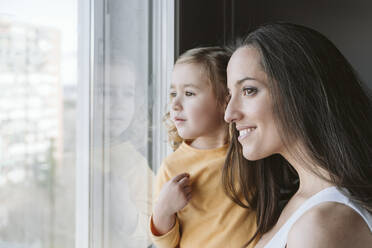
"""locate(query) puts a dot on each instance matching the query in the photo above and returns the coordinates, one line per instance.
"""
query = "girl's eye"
(173, 94)
(249, 91)
(188, 93)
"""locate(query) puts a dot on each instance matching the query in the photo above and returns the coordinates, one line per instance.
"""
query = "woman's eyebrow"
(240, 81)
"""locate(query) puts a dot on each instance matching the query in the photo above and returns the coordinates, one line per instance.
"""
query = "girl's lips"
(179, 121)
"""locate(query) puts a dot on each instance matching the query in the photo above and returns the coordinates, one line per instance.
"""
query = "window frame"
(90, 212)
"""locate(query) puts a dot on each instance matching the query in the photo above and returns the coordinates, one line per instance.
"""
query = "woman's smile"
(245, 132)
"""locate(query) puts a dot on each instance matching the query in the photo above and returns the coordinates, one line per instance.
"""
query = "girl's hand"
(174, 196)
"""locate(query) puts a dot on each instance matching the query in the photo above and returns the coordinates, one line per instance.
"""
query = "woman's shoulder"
(330, 224)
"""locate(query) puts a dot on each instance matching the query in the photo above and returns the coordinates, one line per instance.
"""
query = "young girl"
(302, 122)
(192, 209)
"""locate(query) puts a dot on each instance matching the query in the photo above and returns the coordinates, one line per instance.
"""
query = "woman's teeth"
(246, 131)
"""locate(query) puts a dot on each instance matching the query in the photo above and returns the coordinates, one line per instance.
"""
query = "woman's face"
(250, 105)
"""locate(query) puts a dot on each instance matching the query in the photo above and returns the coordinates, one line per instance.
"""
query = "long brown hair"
(319, 100)
(213, 61)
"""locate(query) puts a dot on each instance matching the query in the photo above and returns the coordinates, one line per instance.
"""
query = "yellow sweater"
(210, 219)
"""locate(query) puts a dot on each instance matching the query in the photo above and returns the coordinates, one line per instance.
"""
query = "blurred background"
(38, 78)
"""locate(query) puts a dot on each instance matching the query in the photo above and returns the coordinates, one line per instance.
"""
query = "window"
(130, 44)
(83, 88)
(38, 79)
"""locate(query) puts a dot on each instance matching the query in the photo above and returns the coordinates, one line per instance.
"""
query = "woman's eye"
(173, 94)
(249, 91)
(188, 93)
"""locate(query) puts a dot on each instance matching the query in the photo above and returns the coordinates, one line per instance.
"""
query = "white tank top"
(331, 194)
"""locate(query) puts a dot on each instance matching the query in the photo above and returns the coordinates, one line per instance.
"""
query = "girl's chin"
(185, 135)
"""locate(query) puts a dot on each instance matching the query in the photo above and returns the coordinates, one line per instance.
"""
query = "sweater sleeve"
(170, 239)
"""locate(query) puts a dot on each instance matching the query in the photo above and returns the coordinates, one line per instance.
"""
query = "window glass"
(128, 53)
(37, 123)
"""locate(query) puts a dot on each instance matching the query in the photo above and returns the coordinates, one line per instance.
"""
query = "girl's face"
(250, 105)
(121, 91)
(194, 108)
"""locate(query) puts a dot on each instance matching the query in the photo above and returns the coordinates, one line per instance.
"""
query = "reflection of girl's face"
(250, 105)
(122, 101)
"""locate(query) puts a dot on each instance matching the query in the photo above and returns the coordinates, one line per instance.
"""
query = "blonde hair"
(213, 60)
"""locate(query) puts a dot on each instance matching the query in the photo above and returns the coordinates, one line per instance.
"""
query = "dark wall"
(202, 23)
(346, 23)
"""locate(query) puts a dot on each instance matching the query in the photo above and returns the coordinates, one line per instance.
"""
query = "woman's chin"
(251, 155)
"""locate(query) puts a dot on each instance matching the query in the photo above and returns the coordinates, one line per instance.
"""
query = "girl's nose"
(176, 104)
(232, 112)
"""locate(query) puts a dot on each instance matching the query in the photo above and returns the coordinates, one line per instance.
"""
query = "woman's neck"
(311, 182)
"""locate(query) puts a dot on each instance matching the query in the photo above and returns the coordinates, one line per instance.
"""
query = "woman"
(301, 119)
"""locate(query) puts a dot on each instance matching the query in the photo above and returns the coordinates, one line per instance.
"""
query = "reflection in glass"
(130, 174)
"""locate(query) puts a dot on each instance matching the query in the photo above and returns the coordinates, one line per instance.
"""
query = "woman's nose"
(232, 113)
